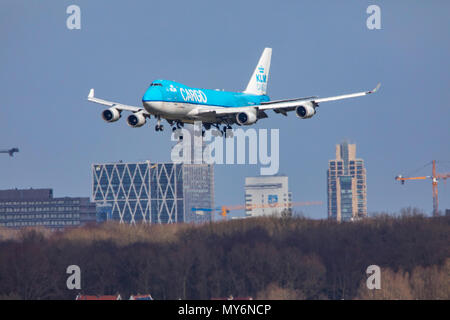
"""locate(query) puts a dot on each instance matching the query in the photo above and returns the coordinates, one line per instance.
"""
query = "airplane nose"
(152, 100)
(152, 95)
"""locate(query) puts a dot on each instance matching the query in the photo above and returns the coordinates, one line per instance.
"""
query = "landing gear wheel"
(158, 126)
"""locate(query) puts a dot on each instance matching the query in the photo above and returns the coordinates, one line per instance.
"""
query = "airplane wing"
(290, 105)
(116, 105)
(284, 106)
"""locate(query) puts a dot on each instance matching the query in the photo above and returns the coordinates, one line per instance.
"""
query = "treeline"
(265, 258)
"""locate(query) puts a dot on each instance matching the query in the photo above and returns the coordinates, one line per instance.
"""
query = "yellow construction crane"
(435, 177)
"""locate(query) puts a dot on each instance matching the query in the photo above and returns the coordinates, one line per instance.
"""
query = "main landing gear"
(179, 125)
(226, 131)
(176, 129)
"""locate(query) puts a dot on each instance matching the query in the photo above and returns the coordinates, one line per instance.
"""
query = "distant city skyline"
(319, 48)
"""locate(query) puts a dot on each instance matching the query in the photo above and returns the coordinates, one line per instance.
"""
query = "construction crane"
(10, 151)
(435, 177)
(224, 210)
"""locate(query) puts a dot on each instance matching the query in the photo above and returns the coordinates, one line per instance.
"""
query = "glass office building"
(146, 192)
(36, 207)
(347, 187)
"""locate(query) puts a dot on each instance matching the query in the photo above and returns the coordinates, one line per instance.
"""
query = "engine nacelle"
(305, 111)
(111, 115)
(246, 118)
(136, 120)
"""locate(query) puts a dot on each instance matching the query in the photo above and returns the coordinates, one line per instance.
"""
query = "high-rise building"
(347, 188)
(267, 195)
(37, 207)
(146, 192)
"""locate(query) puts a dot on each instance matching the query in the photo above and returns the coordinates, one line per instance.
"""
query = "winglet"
(376, 88)
(91, 94)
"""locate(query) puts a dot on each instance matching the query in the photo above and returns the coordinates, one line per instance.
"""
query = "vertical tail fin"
(260, 77)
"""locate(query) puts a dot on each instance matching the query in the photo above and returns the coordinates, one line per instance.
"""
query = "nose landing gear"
(159, 126)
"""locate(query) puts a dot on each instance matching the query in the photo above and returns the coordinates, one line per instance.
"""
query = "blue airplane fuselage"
(172, 99)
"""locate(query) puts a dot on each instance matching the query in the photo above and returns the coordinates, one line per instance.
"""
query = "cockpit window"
(155, 84)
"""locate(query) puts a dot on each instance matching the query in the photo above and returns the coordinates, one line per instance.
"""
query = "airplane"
(10, 151)
(179, 104)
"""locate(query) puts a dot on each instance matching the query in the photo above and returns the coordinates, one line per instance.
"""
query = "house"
(92, 297)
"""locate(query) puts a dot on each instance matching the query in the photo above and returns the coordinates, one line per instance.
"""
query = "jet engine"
(136, 120)
(305, 111)
(111, 115)
(246, 118)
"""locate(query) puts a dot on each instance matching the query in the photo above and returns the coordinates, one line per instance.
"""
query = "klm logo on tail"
(260, 76)
(258, 81)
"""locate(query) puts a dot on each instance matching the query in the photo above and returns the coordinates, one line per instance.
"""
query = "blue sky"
(319, 48)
